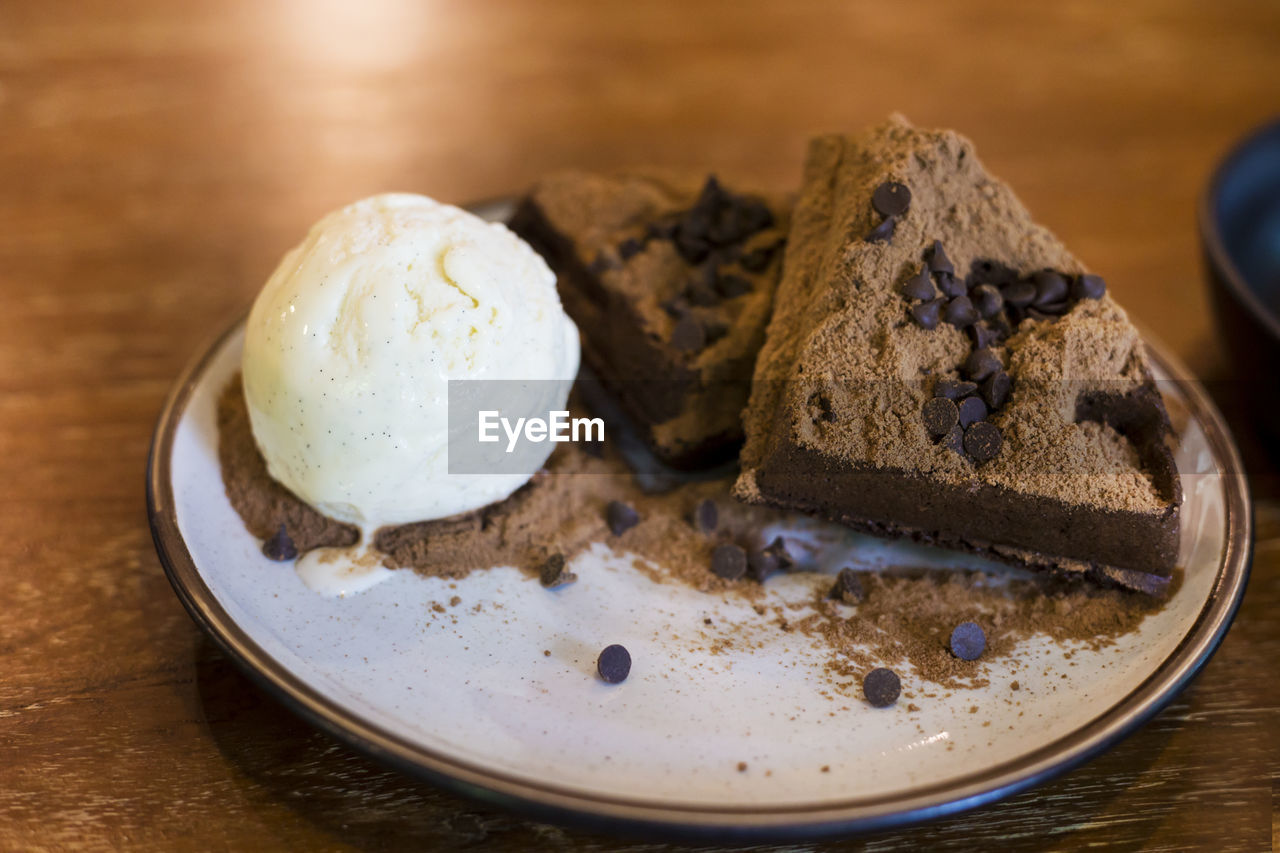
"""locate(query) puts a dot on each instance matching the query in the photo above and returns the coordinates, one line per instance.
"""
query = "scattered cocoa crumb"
(742, 767)
(905, 617)
(455, 601)
(546, 653)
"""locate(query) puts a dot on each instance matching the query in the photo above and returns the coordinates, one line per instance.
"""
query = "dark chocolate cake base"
(1126, 549)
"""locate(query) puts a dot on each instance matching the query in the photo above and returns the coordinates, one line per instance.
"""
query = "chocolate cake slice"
(671, 282)
(940, 367)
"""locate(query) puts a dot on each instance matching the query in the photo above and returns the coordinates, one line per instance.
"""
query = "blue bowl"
(1240, 232)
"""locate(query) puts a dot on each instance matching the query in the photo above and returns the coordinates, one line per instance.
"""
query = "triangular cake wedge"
(940, 367)
(671, 281)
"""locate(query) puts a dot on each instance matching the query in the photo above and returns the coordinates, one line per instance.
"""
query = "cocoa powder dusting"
(905, 617)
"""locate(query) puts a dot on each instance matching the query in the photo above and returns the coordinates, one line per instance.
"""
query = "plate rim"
(546, 802)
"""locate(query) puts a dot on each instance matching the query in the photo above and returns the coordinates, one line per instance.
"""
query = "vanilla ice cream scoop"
(352, 342)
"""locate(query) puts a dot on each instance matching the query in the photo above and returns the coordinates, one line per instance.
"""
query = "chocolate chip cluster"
(988, 304)
(993, 298)
(709, 237)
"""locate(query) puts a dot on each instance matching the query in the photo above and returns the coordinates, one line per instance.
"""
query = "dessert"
(353, 341)
(940, 367)
(672, 283)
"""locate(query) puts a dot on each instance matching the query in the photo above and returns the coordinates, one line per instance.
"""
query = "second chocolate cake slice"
(940, 367)
(671, 281)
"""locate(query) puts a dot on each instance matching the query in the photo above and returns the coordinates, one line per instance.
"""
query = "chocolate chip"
(981, 363)
(927, 314)
(954, 440)
(1041, 316)
(995, 390)
(919, 286)
(620, 517)
(688, 335)
(1088, 286)
(950, 285)
(1020, 294)
(1051, 287)
(1001, 326)
(881, 687)
(553, 574)
(987, 299)
(662, 230)
(691, 246)
(774, 557)
(968, 641)
(749, 216)
(986, 271)
(939, 414)
(982, 335)
(954, 389)
(761, 564)
(971, 410)
(938, 260)
(848, 587)
(715, 330)
(728, 562)
(1057, 309)
(883, 232)
(960, 312)
(601, 263)
(732, 286)
(891, 199)
(676, 306)
(757, 260)
(700, 291)
(706, 516)
(629, 248)
(279, 547)
(982, 441)
(822, 403)
(614, 664)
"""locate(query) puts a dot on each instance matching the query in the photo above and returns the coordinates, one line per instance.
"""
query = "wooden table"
(157, 158)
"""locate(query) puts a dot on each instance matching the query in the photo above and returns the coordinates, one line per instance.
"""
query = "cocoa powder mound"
(264, 504)
(905, 617)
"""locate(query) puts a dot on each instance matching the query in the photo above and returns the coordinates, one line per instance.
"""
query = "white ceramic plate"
(468, 699)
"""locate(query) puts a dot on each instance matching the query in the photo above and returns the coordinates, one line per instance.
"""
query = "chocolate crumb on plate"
(881, 687)
(621, 517)
(614, 664)
(968, 641)
(553, 574)
(774, 557)
(848, 587)
(279, 547)
(729, 561)
(706, 516)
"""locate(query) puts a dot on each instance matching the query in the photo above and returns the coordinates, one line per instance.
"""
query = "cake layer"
(671, 282)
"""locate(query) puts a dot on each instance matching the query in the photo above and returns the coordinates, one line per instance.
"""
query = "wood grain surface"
(156, 158)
